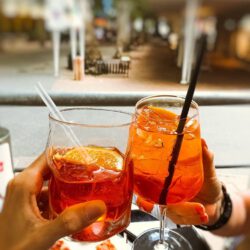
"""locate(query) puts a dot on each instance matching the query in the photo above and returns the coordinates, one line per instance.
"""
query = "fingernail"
(204, 218)
(200, 210)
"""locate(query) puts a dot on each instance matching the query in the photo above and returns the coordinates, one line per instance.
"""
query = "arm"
(206, 207)
(239, 222)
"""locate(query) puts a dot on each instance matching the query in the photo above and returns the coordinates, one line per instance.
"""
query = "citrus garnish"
(162, 113)
(107, 158)
(157, 119)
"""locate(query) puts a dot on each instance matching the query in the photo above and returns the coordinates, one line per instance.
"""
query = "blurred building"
(227, 23)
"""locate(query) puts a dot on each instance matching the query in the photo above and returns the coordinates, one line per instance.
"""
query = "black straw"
(183, 118)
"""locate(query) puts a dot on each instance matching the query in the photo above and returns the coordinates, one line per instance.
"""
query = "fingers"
(186, 208)
(40, 166)
(43, 202)
(75, 218)
(211, 191)
(35, 174)
(28, 183)
(144, 205)
(187, 213)
(189, 220)
(208, 161)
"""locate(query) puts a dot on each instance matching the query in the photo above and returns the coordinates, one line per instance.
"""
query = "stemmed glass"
(153, 136)
(106, 175)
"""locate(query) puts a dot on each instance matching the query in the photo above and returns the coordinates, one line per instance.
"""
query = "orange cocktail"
(105, 175)
(153, 135)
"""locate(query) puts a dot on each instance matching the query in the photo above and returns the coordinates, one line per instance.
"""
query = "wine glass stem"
(162, 226)
(162, 244)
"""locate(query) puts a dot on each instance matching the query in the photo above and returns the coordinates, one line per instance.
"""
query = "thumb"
(75, 218)
(208, 161)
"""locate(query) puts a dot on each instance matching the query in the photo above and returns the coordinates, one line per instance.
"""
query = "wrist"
(224, 215)
(216, 212)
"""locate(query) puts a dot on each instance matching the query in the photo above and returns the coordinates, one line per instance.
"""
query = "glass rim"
(195, 105)
(86, 125)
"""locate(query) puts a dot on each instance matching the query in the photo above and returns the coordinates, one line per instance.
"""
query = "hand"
(205, 207)
(22, 225)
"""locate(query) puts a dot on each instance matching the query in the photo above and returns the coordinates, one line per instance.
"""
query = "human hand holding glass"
(22, 221)
(204, 208)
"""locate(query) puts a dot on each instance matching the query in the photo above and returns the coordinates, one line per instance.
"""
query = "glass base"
(149, 240)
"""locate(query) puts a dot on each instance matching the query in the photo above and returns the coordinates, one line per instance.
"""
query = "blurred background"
(114, 52)
(126, 45)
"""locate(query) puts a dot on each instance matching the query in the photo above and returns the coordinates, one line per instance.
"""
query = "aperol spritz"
(153, 135)
(105, 176)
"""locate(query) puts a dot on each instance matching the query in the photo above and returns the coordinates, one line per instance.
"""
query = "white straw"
(58, 115)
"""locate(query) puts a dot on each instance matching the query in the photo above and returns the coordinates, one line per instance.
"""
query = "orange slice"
(108, 158)
(163, 113)
(152, 118)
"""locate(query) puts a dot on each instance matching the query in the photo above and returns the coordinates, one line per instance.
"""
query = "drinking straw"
(183, 118)
(58, 115)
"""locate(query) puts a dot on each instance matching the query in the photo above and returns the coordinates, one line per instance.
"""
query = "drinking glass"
(95, 169)
(153, 136)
